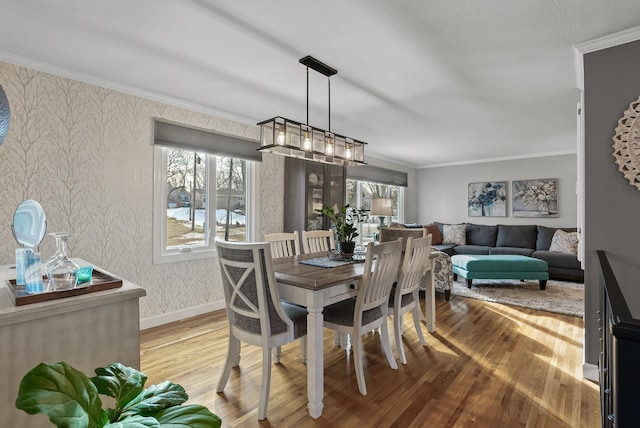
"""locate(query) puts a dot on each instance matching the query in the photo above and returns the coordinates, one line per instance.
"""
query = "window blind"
(172, 135)
(376, 174)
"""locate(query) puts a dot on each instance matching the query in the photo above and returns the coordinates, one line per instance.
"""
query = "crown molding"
(108, 84)
(502, 159)
(609, 41)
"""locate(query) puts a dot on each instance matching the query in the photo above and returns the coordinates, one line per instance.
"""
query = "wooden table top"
(289, 270)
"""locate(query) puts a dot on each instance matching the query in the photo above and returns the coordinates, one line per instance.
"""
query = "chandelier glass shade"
(294, 139)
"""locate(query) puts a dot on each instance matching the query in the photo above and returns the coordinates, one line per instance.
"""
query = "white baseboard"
(181, 314)
(590, 372)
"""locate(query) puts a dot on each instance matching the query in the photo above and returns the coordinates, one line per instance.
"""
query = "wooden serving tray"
(99, 281)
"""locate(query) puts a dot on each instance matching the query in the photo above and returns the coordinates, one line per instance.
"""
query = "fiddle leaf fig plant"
(71, 399)
(345, 220)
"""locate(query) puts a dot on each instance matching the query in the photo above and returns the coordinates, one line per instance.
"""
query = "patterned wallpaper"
(85, 153)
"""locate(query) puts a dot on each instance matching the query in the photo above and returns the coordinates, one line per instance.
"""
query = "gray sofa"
(526, 240)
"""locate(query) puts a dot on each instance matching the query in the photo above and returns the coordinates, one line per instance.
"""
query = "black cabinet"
(308, 186)
(619, 363)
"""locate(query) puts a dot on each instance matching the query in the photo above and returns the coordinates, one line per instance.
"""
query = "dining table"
(315, 281)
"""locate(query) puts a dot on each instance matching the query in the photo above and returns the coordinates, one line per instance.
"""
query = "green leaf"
(63, 393)
(155, 398)
(191, 416)
(121, 382)
(135, 422)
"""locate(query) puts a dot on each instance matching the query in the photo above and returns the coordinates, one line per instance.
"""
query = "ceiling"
(423, 82)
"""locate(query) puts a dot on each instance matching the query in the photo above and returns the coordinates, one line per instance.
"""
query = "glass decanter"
(60, 269)
(56, 256)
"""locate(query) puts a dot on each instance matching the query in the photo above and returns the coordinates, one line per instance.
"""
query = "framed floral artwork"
(488, 199)
(535, 198)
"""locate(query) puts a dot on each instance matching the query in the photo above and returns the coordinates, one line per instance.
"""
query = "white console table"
(87, 331)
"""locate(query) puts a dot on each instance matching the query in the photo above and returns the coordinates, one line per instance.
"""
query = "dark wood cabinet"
(619, 363)
(308, 186)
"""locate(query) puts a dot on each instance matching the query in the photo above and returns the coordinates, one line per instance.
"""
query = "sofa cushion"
(511, 250)
(436, 235)
(545, 234)
(566, 261)
(564, 242)
(454, 234)
(480, 234)
(471, 249)
(521, 236)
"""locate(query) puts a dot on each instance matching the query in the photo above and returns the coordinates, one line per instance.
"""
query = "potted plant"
(345, 223)
(71, 400)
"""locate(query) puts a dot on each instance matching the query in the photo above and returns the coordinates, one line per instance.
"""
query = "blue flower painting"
(487, 199)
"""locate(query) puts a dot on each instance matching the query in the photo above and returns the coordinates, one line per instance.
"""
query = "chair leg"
(416, 323)
(384, 336)
(277, 351)
(266, 383)
(233, 359)
(357, 360)
(397, 332)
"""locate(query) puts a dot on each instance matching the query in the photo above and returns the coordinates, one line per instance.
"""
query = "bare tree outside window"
(231, 201)
(186, 190)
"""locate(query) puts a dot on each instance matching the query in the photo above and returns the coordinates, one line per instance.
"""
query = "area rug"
(560, 296)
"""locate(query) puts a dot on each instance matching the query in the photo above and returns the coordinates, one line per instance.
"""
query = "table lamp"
(382, 208)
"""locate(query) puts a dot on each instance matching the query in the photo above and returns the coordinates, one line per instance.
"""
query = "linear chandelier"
(300, 140)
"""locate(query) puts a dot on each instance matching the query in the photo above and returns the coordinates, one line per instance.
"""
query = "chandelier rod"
(307, 95)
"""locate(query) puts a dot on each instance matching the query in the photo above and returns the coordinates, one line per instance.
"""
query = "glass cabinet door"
(314, 195)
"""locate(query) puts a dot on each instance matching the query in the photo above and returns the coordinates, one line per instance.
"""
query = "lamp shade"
(4, 115)
(381, 207)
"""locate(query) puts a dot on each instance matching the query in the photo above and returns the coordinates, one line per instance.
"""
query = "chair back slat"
(380, 272)
(283, 244)
(415, 265)
(317, 241)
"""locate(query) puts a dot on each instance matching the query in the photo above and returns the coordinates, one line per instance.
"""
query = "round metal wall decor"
(626, 144)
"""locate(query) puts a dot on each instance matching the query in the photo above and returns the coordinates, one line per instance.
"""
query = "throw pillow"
(454, 234)
(436, 236)
(564, 242)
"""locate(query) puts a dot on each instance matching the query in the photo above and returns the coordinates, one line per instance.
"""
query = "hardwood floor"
(487, 365)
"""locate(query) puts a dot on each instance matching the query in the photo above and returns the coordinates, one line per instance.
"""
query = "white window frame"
(162, 254)
(401, 199)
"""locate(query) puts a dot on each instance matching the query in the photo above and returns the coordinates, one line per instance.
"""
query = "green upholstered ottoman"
(499, 266)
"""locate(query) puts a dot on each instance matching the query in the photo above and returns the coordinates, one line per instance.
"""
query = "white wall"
(442, 191)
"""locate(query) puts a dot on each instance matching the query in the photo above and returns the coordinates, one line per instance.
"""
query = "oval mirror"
(29, 224)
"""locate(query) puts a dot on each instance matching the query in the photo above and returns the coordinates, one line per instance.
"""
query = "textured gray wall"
(612, 205)
(442, 191)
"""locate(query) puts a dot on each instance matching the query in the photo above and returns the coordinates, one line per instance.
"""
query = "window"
(197, 197)
(360, 193)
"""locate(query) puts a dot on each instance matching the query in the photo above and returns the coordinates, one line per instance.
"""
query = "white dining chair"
(283, 244)
(404, 296)
(255, 313)
(368, 311)
(317, 241)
